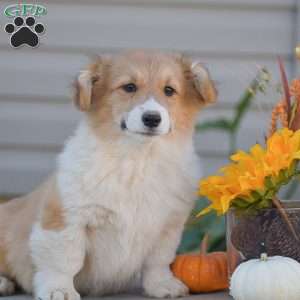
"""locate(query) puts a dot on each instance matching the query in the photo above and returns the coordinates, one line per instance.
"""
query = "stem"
(232, 145)
(284, 215)
(204, 244)
(286, 89)
(264, 257)
(295, 124)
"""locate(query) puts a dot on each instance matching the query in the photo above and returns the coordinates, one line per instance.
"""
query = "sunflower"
(253, 178)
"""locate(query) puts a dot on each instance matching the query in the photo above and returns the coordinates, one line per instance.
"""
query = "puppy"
(111, 217)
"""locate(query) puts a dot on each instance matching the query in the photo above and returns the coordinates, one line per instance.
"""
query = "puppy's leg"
(7, 287)
(158, 280)
(58, 256)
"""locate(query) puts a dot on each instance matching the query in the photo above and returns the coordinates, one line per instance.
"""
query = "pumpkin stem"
(284, 215)
(264, 257)
(204, 244)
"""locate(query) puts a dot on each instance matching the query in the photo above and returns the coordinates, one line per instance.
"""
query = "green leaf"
(266, 203)
(196, 228)
(269, 183)
(241, 108)
(256, 196)
(241, 203)
(219, 124)
(282, 176)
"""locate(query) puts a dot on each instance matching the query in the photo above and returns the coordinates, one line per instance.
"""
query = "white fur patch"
(111, 205)
(134, 121)
(7, 287)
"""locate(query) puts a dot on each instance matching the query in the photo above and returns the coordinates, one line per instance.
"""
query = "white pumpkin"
(267, 278)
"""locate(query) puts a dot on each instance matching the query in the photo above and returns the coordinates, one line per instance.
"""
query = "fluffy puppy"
(111, 217)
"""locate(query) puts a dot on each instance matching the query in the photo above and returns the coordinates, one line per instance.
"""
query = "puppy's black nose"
(151, 119)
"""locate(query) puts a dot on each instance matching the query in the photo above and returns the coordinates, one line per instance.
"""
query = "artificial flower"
(252, 179)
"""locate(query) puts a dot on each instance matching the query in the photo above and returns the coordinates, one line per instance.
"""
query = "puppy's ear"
(85, 85)
(83, 90)
(203, 83)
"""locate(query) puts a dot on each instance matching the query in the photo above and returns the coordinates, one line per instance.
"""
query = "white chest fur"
(125, 195)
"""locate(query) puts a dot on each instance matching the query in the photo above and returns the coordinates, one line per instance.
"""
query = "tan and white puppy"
(111, 217)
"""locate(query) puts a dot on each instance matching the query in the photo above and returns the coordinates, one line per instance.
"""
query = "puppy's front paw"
(54, 286)
(7, 287)
(166, 288)
(58, 294)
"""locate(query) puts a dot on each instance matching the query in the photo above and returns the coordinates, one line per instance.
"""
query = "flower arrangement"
(258, 223)
(253, 179)
(261, 229)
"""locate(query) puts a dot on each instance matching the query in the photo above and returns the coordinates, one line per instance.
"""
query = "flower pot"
(266, 231)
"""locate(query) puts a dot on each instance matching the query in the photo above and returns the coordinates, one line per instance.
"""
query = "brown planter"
(265, 232)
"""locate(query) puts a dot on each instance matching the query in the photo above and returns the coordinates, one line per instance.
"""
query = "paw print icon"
(24, 32)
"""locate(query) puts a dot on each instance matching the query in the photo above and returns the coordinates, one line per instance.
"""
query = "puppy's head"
(146, 94)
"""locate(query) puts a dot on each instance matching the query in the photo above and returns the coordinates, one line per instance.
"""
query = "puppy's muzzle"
(151, 119)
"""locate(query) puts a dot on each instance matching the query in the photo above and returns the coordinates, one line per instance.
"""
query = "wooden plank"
(203, 29)
(41, 76)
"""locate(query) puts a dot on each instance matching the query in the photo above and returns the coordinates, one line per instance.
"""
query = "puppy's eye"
(169, 91)
(129, 88)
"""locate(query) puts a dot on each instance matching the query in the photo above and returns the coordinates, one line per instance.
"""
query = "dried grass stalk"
(295, 92)
(279, 112)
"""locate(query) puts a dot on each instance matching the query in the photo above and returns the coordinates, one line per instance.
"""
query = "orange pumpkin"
(202, 272)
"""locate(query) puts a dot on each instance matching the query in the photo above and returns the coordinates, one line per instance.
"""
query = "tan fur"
(16, 219)
(4, 269)
(52, 215)
(109, 74)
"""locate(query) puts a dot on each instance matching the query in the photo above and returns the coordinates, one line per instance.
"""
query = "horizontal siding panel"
(253, 129)
(232, 37)
(215, 4)
(36, 74)
(44, 76)
(20, 171)
(121, 26)
(211, 164)
(44, 125)
(35, 124)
